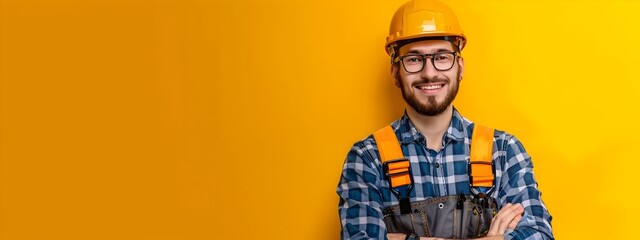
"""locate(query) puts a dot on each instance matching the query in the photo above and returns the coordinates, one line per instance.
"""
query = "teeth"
(430, 87)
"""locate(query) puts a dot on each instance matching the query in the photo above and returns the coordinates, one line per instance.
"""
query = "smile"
(431, 87)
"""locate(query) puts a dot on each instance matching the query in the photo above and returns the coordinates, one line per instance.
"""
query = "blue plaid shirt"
(364, 191)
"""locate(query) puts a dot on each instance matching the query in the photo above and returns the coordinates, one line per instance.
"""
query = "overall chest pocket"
(444, 217)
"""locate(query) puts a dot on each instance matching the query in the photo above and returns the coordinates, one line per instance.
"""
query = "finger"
(514, 222)
(396, 236)
(503, 218)
(508, 209)
(503, 207)
(500, 222)
(516, 219)
(494, 225)
(508, 216)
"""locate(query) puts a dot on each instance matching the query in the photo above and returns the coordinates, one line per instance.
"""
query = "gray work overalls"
(454, 216)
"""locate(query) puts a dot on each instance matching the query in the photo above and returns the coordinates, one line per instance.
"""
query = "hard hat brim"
(391, 40)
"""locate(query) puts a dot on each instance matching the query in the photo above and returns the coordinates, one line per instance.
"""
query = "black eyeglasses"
(441, 61)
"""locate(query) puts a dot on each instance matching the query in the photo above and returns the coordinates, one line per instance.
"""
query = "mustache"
(432, 80)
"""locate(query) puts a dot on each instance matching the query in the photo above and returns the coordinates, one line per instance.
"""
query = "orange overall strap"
(388, 144)
(481, 169)
(391, 153)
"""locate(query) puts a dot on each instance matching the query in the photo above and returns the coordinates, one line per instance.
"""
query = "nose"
(428, 71)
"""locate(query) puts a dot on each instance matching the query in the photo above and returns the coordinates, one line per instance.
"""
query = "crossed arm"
(361, 201)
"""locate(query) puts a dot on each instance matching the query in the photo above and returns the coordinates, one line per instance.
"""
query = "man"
(425, 44)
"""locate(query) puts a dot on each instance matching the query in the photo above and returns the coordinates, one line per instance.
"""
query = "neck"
(432, 127)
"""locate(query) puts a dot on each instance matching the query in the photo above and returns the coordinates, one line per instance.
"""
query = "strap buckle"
(399, 176)
(483, 176)
(398, 173)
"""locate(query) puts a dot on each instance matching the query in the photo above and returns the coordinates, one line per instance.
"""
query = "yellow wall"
(213, 119)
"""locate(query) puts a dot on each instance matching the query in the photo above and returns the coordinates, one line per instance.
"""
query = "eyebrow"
(439, 50)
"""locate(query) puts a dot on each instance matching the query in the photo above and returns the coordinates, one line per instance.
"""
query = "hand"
(507, 217)
(396, 236)
(400, 236)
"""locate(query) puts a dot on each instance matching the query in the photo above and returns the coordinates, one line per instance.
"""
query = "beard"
(432, 108)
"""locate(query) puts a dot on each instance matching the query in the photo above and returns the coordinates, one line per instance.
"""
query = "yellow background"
(231, 119)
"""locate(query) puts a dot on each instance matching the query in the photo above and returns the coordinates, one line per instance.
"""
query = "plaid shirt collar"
(409, 133)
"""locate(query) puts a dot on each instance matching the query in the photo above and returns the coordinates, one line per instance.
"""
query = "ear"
(394, 75)
(461, 67)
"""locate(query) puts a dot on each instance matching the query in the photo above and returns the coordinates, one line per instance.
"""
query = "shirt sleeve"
(520, 186)
(360, 199)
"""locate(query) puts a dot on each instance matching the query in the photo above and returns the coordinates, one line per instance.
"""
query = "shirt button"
(437, 165)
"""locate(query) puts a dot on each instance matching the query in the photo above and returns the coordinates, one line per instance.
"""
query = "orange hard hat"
(418, 19)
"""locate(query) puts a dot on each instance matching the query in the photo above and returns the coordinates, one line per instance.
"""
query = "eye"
(443, 57)
(412, 59)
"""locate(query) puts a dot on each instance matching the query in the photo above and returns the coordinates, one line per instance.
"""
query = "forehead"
(427, 46)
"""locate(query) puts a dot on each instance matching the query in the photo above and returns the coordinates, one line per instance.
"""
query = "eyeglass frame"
(430, 56)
